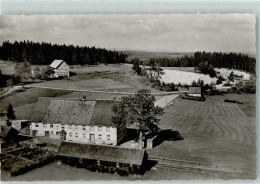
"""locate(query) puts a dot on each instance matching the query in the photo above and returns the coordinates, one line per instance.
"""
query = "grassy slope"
(213, 131)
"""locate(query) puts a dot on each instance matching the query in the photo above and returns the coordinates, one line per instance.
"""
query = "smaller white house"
(195, 91)
(61, 68)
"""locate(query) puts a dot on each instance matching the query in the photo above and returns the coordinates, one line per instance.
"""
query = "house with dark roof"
(61, 68)
(76, 120)
(8, 136)
(133, 160)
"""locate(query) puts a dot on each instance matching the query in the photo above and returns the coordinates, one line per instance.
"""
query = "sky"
(164, 32)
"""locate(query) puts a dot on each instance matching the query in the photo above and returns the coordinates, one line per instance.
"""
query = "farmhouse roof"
(102, 152)
(5, 130)
(194, 90)
(56, 63)
(102, 114)
(74, 111)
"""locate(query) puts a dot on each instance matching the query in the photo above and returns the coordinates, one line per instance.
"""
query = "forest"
(44, 53)
(230, 60)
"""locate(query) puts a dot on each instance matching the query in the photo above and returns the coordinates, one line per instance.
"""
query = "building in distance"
(195, 91)
(61, 68)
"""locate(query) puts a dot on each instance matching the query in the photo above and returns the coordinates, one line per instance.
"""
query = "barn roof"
(74, 111)
(56, 63)
(102, 152)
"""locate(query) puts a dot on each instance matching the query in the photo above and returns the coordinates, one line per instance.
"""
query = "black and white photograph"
(128, 97)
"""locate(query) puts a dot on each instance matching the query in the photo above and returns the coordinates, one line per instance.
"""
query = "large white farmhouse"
(61, 68)
(76, 120)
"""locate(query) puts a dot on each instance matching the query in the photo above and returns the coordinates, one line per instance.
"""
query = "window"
(76, 126)
(44, 125)
(57, 133)
(57, 127)
(62, 126)
(92, 128)
(80, 160)
(76, 134)
(70, 134)
(70, 126)
(108, 129)
(99, 128)
(99, 136)
(36, 124)
(84, 135)
(83, 127)
(108, 137)
(51, 125)
(51, 132)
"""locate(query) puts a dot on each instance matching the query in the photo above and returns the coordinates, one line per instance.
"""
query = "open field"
(115, 78)
(56, 172)
(185, 77)
(214, 131)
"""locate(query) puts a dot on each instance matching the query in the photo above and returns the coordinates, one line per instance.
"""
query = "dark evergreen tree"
(44, 53)
(10, 113)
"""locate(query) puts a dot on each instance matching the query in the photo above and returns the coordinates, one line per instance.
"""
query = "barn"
(61, 68)
(103, 157)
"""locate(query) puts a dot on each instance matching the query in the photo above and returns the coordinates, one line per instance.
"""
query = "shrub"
(219, 81)
(227, 84)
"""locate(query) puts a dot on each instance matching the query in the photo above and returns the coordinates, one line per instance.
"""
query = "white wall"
(198, 95)
(62, 70)
(74, 130)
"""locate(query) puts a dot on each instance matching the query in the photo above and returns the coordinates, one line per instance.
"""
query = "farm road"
(109, 92)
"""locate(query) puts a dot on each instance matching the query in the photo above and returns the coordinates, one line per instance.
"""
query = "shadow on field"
(72, 73)
(167, 135)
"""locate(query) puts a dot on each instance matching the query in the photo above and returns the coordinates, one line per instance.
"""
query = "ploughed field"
(214, 132)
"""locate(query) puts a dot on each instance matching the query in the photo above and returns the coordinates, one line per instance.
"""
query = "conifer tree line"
(231, 60)
(44, 53)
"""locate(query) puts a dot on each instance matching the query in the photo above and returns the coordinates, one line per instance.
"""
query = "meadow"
(214, 132)
(113, 78)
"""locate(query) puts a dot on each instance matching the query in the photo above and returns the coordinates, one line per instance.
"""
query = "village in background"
(140, 115)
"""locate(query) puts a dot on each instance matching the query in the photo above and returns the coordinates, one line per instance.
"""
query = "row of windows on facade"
(62, 69)
(84, 135)
(75, 127)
